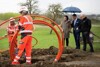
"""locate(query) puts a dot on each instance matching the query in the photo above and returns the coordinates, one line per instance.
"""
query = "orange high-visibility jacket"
(12, 29)
(26, 23)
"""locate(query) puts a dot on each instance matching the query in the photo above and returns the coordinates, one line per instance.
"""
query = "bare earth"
(44, 58)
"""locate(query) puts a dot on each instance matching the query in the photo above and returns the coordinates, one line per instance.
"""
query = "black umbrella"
(72, 10)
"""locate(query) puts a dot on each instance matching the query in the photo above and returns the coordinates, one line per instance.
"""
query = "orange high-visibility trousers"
(25, 43)
(9, 40)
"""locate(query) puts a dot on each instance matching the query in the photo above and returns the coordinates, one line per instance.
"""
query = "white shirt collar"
(75, 20)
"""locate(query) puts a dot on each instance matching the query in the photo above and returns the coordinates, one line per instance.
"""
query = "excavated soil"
(44, 58)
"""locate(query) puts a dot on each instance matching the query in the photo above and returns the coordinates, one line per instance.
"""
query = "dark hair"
(66, 17)
(74, 15)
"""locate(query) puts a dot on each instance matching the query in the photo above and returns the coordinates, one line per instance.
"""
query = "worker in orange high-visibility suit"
(26, 27)
(11, 30)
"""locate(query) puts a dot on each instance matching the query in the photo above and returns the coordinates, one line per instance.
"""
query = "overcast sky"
(87, 6)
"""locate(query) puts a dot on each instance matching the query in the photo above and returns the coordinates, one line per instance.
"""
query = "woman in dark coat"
(66, 26)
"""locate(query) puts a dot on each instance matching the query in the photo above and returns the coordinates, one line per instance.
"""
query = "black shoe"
(91, 50)
(77, 48)
(84, 49)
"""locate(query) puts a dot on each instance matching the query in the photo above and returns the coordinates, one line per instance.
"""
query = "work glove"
(19, 27)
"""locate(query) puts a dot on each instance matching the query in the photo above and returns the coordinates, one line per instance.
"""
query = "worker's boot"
(15, 63)
(28, 60)
(28, 63)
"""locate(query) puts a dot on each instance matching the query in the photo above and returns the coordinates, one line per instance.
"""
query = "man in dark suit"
(85, 28)
(76, 30)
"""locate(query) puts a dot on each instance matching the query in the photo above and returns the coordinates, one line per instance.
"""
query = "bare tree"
(31, 5)
(55, 11)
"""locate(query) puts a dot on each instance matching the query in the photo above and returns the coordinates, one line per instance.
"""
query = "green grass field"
(45, 39)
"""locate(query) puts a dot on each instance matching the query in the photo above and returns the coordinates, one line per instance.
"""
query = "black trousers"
(86, 39)
(67, 41)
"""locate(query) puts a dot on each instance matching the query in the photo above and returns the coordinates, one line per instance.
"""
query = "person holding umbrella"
(76, 30)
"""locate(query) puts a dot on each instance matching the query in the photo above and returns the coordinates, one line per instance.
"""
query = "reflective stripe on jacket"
(26, 23)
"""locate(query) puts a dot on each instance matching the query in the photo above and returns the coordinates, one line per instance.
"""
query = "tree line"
(53, 12)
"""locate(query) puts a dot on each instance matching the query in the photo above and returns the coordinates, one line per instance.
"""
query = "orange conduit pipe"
(8, 20)
(51, 21)
(3, 37)
(54, 23)
(61, 40)
(58, 28)
(61, 47)
(41, 17)
(35, 40)
(45, 23)
(38, 16)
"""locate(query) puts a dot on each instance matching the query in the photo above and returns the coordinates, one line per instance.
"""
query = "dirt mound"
(44, 58)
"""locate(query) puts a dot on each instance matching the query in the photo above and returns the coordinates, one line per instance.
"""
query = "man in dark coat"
(85, 28)
(76, 31)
